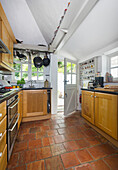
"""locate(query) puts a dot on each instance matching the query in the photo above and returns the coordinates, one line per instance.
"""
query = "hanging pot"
(46, 61)
(38, 62)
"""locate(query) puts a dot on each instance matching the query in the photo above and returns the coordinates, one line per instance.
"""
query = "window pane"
(34, 76)
(40, 76)
(69, 78)
(17, 66)
(68, 67)
(34, 69)
(73, 78)
(25, 76)
(114, 72)
(17, 75)
(73, 68)
(24, 67)
(41, 69)
(114, 61)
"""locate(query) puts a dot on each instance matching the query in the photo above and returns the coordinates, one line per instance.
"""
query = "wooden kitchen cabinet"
(88, 106)
(20, 107)
(7, 36)
(106, 113)
(34, 103)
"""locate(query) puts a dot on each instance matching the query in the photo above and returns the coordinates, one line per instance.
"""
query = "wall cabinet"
(20, 107)
(7, 36)
(106, 113)
(34, 103)
(88, 106)
(101, 110)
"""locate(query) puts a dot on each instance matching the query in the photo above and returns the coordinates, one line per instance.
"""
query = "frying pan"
(38, 62)
(46, 61)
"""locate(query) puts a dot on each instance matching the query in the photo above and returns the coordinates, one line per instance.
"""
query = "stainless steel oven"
(12, 122)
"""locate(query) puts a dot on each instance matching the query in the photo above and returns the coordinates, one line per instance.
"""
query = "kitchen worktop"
(18, 90)
(102, 90)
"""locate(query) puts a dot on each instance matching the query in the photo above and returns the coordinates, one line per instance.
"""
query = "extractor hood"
(3, 48)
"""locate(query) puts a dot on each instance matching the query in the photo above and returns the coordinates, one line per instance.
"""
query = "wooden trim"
(29, 119)
(5, 20)
(6, 67)
(109, 138)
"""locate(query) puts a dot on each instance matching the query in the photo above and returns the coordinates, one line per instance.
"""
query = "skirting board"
(29, 119)
(109, 138)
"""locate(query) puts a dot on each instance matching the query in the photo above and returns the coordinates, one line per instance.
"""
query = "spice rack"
(87, 71)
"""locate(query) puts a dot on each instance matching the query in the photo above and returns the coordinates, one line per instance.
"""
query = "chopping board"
(112, 90)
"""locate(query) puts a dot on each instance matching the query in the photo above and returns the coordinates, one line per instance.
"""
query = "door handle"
(14, 124)
(14, 104)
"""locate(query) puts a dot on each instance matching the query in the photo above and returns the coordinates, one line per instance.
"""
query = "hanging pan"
(38, 62)
(46, 60)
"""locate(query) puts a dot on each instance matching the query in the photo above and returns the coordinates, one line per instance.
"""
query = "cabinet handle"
(0, 154)
(91, 95)
(95, 96)
(0, 134)
(0, 114)
(44, 92)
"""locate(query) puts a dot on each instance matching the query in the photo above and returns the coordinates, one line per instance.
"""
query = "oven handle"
(14, 124)
(14, 105)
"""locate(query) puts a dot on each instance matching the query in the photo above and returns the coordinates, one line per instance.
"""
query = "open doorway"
(60, 105)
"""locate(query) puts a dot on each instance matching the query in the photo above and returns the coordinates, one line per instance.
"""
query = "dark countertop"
(16, 91)
(100, 91)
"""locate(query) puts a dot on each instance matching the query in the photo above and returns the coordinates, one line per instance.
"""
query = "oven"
(12, 122)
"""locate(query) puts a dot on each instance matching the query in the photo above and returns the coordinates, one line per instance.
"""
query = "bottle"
(46, 83)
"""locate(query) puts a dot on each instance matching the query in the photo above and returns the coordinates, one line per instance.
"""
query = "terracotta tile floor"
(62, 143)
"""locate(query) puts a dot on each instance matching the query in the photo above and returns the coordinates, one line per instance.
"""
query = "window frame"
(111, 56)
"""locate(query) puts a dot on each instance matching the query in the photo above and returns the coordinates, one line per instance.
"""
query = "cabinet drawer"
(3, 124)
(2, 142)
(3, 159)
(2, 110)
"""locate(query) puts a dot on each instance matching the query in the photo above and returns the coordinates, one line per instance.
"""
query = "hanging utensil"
(38, 62)
(46, 60)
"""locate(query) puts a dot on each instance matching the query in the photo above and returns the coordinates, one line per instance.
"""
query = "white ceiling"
(98, 30)
(34, 22)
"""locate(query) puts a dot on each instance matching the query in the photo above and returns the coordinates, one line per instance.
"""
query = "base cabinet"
(34, 103)
(106, 113)
(101, 110)
(88, 106)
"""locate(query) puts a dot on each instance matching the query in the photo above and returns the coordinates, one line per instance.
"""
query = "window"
(27, 70)
(71, 73)
(114, 67)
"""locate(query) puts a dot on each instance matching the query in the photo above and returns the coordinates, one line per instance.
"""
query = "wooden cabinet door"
(34, 103)
(106, 113)
(88, 106)
(20, 107)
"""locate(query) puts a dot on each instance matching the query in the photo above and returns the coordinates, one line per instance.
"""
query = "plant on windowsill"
(21, 82)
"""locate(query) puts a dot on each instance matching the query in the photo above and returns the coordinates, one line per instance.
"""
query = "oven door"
(12, 111)
(12, 134)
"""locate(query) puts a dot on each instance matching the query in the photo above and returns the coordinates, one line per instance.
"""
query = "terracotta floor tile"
(44, 128)
(13, 161)
(35, 144)
(48, 141)
(20, 146)
(29, 137)
(23, 167)
(84, 156)
(55, 126)
(52, 132)
(27, 156)
(112, 161)
(23, 131)
(57, 149)
(43, 153)
(59, 139)
(62, 125)
(108, 149)
(69, 160)
(34, 130)
(54, 163)
(97, 152)
(84, 167)
(82, 143)
(62, 131)
(93, 140)
(40, 135)
(39, 165)
(99, 164)
(90, 132)
(70, 146)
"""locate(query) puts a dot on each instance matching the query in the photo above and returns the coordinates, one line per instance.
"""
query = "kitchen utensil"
(46, 60)
(38, 62)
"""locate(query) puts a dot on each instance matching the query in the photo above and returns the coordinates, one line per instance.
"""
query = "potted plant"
(21, 82)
